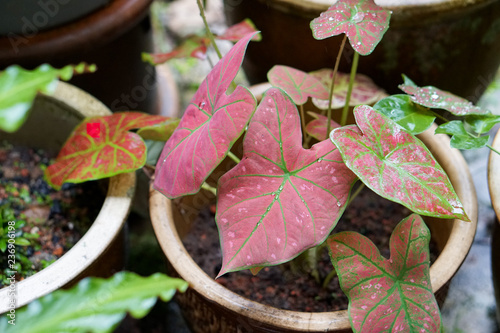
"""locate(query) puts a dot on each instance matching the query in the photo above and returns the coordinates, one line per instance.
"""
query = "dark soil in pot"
(53, 220)
(278, 286)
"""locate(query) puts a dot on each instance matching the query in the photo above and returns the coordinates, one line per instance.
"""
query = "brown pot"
(100, 251)
(112, 37)
(494, 185)
(209, 307)
(451, 44)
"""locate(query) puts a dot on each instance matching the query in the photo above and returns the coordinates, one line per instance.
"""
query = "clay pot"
(451, 44)
(112, 37)
(209, 307)
(494, 185)
(100, 252)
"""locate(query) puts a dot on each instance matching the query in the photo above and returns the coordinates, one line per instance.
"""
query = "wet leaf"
(95, 304)
(159, 132)
(281, 199)
(482, 123)
(236, 32)
(116, 150)
(364, 91)
(18, 88)
(392, 295)
(194, 46)
(211, 124)
(297, 84)
(362, 21)
(317, 128)
(461, 139)
(396, 165)
(413, 117)
(433, 97)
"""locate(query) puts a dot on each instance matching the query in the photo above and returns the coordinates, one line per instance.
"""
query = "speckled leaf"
(433, 97)
(392, 295)
(318, 126)
(194, 46)
(211, 124)
(116, 150)
(18, 88)
(362, 21)
(236, 32)
(413, 117)
(297, 84)
(396, 165)
(364, 91)
(159, 132)
(281, 199)
(461, 139)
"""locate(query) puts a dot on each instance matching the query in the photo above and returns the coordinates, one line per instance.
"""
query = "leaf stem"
(437, 115)
(332, 85)
(303, 121)
(207, 28)
(354, 68)
(329, 277)
(493, 149)
(233, 157)
(207, 187)
(356, 193)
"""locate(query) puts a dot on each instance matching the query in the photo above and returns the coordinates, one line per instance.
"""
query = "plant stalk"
(303, 121)
(233, 157)
(207, 28)
(354, 68)
(356, 193)
(332, 85)
(493, 149)
(207, 187)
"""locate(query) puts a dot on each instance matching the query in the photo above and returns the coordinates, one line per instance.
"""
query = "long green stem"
(207, 187)
(207, 28)
(356, 193)
(493, 149)
(233, 157)
(330, 97)
(329, 277)
(354, 68)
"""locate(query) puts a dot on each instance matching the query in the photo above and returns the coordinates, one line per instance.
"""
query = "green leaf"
(409, 115)
(461, 139)
(3, 244)
(408, 82)
(22, 241)
(480, 124)
(18, 88)
(159, 132)
(94, 305)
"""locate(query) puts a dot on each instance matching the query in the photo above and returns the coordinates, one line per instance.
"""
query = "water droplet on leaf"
(358, 17)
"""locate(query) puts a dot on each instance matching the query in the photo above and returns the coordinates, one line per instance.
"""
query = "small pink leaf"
(396, 165)
(281, 199)
(392, 295)
(211, 124)
(361, 20)
(114, 151)
(236, 32)
(433, 97)
(194, 46)
(297, 84)
(317, 128)
(364, 91)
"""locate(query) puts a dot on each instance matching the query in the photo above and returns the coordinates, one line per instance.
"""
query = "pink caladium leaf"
(281, 199)
(236, 32)
(194, 46)
(364, 91)
(318, 126)
(396, 165)
(213, 121)
(433, 97)
(297, 84)
(392, 295)
(105, 152)
(362, 21)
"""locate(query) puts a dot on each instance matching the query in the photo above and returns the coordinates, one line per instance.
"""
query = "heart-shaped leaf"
(392, 295)
(396, 165)
(281, 199)
(364, 91)
(317, 128)
(362, 21)
(211, 124)
(95, 304)
(413, 117)
(18, 88)
(115, 150)
(297, 84)
(159, 132)
(236, 32)
(461, 139)
(194, 46)
(433, 97)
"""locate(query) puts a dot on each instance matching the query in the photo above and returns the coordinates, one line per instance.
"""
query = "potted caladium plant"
(282, 199)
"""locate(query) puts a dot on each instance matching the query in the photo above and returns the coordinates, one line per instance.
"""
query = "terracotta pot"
(494, 185)
(451, 44)
(100, 250)
(209, 307)
(112, 37)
